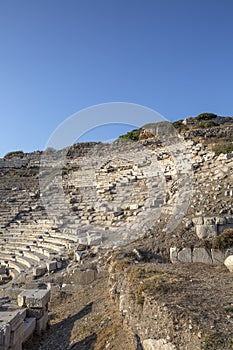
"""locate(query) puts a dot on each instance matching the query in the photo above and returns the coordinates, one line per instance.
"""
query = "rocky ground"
(190, 306)
(132, 296)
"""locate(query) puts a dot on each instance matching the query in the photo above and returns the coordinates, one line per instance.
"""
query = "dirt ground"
(84, 318)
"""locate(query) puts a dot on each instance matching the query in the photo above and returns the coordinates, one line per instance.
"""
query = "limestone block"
(185, 255)
(160, 344)
(36, 313)
(94, 239)
(17, 335)
(13, 318)
(34, 298)
(201, 255)
(29, 327)
(218, 256)
(39, 270)
(41, 324)
(51, 265)
(206, 231)
(5, 331)
(174, 254)
(229, 263)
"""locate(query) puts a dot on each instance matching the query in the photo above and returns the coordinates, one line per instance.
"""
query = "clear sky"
(60, 56)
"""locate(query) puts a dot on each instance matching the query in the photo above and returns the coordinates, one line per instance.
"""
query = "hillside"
(138, 232)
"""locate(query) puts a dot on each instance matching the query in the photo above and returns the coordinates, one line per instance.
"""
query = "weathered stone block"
(229, 263)
(41, 324)
(34, 298)
(17, 335)
(36, 313)
(39, 271)
(202, 256)
(218, 256)
(5, 331)
(51, 265)
(206, 231)
(185, 255)
(29, 327)
(173, 254)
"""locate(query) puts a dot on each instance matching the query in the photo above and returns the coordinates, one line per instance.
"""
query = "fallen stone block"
(229, 263)
(13, 318)
(218, 256)
(17, 335)
(5, 331)
(185, 255)
(36, 313)
(206, 231)
(51, 265)
(34, 298)
(29, 327)
(174, 254)
(39, 271)
(201, 255)
(42, 323)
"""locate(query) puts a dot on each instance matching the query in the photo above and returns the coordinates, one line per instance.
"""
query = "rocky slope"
(141, 238)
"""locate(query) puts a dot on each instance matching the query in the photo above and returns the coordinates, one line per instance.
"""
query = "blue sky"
(60, 56)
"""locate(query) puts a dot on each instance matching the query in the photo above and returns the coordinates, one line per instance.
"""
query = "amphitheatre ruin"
(121, 245)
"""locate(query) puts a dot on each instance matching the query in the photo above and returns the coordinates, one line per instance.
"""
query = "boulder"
(185, 255)
(201, 255)
(229, 263)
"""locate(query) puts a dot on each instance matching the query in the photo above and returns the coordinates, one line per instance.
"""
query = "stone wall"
(20, 320)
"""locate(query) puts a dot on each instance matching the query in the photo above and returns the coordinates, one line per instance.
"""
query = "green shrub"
(180, 126)
(131, 135)
(224, 147)
(205, 124)
(206, 116)
(10, 155)
(224, 240)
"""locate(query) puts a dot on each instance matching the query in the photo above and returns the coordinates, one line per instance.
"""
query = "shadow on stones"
(58, 335)
(87, 343)
(139, 344)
